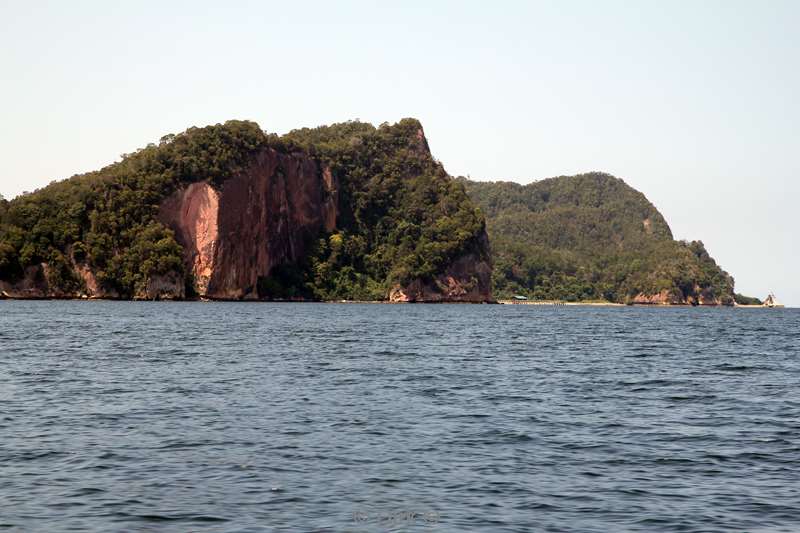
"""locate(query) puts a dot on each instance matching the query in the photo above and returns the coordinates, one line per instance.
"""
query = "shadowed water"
(223, 417)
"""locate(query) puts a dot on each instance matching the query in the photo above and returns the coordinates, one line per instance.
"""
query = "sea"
(306, 417)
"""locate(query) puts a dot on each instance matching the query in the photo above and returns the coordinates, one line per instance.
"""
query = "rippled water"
(226, 417)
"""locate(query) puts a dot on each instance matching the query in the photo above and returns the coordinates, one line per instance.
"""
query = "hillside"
(230, 212)
(591, 237)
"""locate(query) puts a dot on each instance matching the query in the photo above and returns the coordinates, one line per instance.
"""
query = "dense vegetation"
(402, 217)
(107, 219)
(589, 237)
(741, 299)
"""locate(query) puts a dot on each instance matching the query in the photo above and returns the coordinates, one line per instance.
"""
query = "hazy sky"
(696, 104)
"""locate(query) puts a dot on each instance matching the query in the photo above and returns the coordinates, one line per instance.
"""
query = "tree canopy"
(401, 216)
(589, 237)
(107, 219)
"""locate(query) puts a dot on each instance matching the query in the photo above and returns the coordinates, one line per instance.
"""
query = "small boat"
(771, 301)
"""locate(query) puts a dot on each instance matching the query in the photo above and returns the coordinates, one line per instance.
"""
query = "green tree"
(400, 216)
(588, 237)
(107, 218)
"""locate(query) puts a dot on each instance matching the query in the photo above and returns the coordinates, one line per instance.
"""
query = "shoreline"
(560, 303)
(540, 303)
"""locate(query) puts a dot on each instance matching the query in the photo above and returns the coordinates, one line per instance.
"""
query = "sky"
(693, 103)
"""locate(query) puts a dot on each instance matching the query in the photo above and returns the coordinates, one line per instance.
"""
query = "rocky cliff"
(39, 282)
(264, 216)
(227, 212)
(32, 285)
(697, 296)
(468, 279)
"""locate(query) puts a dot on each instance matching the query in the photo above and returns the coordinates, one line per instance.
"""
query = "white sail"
(772, 301)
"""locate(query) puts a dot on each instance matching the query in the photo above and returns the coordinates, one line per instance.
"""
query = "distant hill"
(592, 237)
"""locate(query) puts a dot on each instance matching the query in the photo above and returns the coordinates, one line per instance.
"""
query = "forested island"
(592, 237)
(342, 212)
(348, 211)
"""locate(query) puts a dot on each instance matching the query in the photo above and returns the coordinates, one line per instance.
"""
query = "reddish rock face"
(193, 213)
(705, 297)
(265, 216)
(662, 298)
(89, 280)
(268, 215)
(667, 298)
(468, 279)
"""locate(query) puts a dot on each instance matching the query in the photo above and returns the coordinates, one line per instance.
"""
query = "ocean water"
(230, 417)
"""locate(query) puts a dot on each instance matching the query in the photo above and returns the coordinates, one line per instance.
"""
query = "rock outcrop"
(167, 287)
(36, 284)
(269, 214)
(192, 213)
(90, 283)
(664, 297)
(229, 212)
(33, 285)
(699, 296)
(264, 216)
(467, 280)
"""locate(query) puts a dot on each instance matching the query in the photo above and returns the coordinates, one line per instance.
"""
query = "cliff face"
(468, 279)
(265, 216)
(698, 296)
(268, 215)
(231, 212)
(192, 213)
(32, 285)
(37, 283)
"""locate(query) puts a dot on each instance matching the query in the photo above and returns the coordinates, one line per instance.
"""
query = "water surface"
(225, 417)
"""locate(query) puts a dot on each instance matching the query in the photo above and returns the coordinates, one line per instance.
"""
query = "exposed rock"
(91, 286)
(258, 204)
(93, 290)
(262, 217)
(169, 287)
(706, 297)
(422, 147)
(468, 279)
(664, 297)
(193, 214)
(89, 280)
(267, 215)
(33, 284)
(698, 296)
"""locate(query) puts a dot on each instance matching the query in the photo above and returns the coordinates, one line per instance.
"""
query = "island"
(348, 211)
(592, 238)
